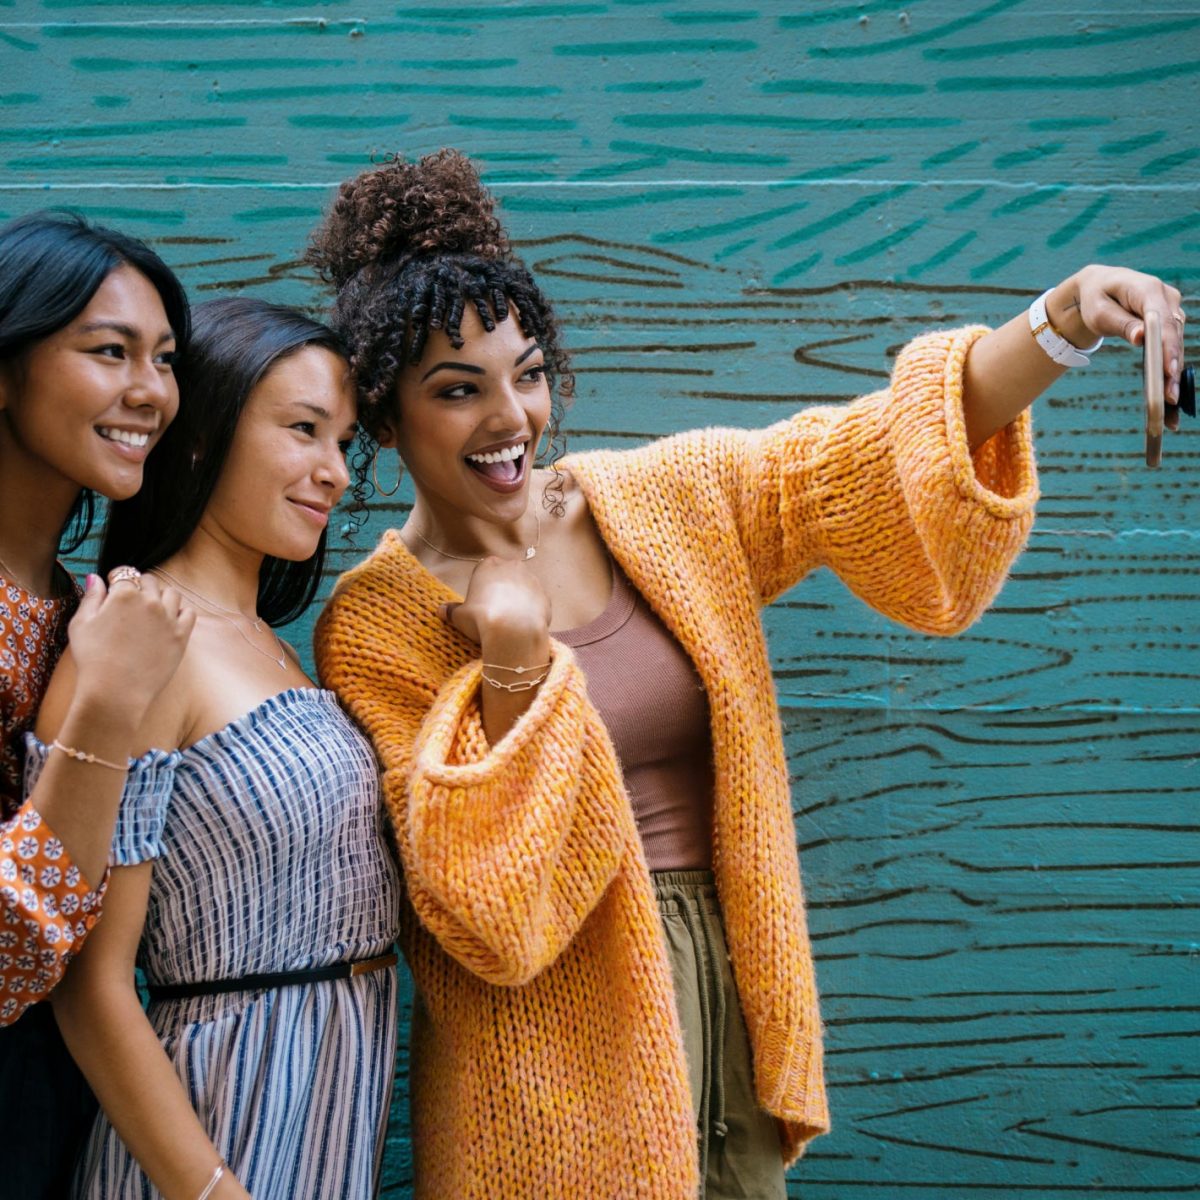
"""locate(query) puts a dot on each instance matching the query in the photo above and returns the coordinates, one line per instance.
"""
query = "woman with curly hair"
(565, 677)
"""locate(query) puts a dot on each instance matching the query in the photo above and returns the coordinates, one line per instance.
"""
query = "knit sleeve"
(508, 848)
(887, 493)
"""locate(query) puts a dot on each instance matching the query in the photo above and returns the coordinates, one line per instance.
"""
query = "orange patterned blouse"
(46, 905)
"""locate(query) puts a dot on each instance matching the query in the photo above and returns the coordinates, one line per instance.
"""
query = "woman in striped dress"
(254, 885)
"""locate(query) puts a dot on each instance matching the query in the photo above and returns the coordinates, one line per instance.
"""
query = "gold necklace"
(230, 615)
(530, 551)
(212, 604)
(10, 576)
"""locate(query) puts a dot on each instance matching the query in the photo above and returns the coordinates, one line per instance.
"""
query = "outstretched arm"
(1007, 370)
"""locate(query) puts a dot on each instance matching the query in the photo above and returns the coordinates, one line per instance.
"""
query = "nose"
(151, 387)
(507, 415)
(332, 472)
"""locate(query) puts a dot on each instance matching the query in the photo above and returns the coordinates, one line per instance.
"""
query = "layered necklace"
(530, 551)
(232, 615)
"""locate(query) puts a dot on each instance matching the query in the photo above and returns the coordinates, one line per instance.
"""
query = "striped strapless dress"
(270, 855)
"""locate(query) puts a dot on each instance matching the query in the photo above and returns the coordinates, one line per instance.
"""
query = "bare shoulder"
(166, 721)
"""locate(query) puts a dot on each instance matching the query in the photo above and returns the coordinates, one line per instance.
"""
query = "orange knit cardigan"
(547, 1058)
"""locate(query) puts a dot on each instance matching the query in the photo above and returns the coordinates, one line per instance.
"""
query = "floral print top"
(46, 906)
(33, 633)
(46, 910)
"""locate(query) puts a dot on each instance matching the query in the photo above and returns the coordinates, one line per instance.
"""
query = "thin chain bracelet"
(520, 685)
(84, 757)
(215, 1178)
(517, 670)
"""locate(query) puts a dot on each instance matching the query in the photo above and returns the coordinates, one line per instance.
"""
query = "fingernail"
(90, 582)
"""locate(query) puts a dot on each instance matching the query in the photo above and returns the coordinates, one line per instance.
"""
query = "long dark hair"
(235, 342)
(51, 265)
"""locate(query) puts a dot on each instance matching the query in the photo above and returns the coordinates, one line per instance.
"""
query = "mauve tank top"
(644, 685)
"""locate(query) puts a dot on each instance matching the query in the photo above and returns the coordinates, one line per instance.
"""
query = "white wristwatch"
(1053, 342)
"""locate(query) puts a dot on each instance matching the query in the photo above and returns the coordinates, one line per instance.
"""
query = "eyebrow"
(316, 409)
(471, 369)
(124, 330)
(453, 366)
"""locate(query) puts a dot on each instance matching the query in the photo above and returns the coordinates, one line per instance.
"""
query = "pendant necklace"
(230, 615)
(530, 551)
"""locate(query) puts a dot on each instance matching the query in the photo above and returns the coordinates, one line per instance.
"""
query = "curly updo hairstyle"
(407, 246)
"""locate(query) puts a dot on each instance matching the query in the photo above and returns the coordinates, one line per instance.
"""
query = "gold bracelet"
(516, 670)
(84, 757)
(520, 685)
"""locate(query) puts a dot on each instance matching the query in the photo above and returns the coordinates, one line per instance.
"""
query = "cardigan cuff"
(443, 733)
(789, 1067)
(1000, 476)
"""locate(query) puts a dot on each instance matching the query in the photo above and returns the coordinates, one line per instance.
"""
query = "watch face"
(1152, 386)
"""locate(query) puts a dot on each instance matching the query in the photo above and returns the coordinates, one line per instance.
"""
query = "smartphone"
(1152, 374)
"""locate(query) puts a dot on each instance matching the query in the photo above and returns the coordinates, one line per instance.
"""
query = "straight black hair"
(235, 342)
(51, 264)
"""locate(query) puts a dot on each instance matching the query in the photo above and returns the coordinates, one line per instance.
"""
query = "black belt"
(276, 979)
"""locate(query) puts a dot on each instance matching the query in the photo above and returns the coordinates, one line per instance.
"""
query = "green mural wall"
(741, 209)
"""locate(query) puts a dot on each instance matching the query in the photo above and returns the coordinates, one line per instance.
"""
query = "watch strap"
(1052, 342)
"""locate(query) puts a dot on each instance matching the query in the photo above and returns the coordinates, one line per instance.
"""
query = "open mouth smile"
(502, 469)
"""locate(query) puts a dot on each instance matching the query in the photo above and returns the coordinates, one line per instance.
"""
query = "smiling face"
(286, 467)
(470, 420)
(85, 406)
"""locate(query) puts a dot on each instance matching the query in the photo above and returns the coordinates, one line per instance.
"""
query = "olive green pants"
(740, 1157)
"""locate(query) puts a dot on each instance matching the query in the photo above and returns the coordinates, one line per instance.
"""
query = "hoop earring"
(375, 478)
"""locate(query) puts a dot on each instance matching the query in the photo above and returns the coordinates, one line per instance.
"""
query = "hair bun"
(400, 209)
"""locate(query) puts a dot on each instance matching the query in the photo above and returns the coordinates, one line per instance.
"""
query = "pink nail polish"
(90, 582)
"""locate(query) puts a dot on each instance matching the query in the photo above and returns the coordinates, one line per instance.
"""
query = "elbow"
(506, 967)
(83, 1005)
(944, 623)
(506, 959)
(72, 1003)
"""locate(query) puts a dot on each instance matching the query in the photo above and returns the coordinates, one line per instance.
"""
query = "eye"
(168, 358)
(308, 428)
(110, 350)
(457, 391)
(535, 374)
(345, 445)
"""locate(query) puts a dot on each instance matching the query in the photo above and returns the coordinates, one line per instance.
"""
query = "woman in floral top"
(90, 321)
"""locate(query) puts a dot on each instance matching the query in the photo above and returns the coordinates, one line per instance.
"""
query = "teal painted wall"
(742, 209)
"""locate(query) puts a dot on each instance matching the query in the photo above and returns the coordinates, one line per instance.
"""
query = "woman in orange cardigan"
(565, 677)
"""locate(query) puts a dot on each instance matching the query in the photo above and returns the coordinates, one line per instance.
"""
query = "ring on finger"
(126, 575)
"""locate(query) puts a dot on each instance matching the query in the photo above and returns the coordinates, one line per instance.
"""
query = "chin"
(121, 488)
(292, 550)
